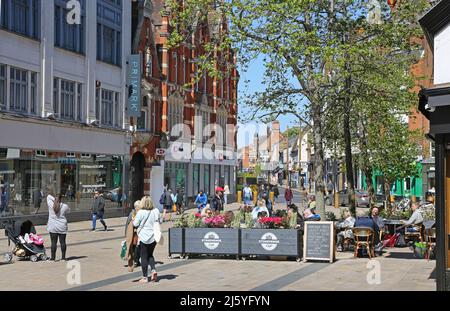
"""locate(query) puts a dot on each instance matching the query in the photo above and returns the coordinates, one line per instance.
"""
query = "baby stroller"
(23, 249)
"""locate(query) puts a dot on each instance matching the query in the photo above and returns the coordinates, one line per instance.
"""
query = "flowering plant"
(271, 222)
(217, 221)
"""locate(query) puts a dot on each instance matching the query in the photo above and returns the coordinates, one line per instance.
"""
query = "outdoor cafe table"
(393, 224)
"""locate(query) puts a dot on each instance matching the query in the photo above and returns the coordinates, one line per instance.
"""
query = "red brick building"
(200, 157)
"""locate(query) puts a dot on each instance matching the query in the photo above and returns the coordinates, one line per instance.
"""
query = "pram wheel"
(34, 258)
(43, 257)
(8, 257)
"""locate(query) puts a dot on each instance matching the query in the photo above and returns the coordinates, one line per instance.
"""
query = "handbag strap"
(143, 223)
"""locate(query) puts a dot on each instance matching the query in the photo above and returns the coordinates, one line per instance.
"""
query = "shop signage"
(94, 166)
(269, 241)
(211, 240)
(160, 152)
(134, 86)
(319, 241)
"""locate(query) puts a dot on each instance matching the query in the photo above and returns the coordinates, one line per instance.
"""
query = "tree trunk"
(348, 154)
(387, 194)
(318, 160)
(370, 189)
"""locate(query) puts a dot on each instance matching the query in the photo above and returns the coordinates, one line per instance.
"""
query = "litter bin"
(239, 197)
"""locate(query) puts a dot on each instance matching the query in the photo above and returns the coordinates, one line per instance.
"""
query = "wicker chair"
(417, 235)
(364, 239)
(431, 241)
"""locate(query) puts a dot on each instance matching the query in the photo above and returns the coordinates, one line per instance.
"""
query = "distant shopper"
(37, 198)
(226, 192)
(330, 187)
(201, 200)
(3, 201)
(261, 207)
(308, 215)
(98, 211)
(168, 205)
(312, 203)
(217, 203)
(133, 252)
(119, 197)
(145, 223)
(57, 225)
(288, 196)
(248, 195)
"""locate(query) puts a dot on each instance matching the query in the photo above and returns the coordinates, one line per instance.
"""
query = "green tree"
(313, 42)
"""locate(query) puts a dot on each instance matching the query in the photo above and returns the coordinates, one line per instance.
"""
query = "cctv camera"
(430, 108)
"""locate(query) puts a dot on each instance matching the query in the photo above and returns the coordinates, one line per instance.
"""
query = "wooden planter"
(216, 241)
(271, 242)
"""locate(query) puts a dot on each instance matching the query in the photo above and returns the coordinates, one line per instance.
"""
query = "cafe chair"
(364, 239)
(431, 242)
(417, 235)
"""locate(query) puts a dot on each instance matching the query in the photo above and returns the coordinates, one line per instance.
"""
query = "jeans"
(247, 201)
(98, 216)
(147, 258)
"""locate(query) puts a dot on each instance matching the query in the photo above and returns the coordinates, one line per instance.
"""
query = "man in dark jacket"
(217, 203)
(168, 204)
(98, 211)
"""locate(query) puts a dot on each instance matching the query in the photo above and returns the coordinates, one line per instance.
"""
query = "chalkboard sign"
(318, 241)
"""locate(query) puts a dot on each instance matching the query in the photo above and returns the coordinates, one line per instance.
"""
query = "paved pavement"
(97, 255)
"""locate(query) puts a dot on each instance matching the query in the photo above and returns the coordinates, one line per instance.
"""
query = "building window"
(107, 107)
(149, 63)
(85, 156)
(2, 87)
(141, 121)
(202, 119)
(222, 124)
(67, 99)
(205, 83)
(69, 37)
(109, 29)
(184, 70)
(175, 63)
(21, 16)
(70, 155)
(33, 103)
(18, 90)
(41, 153)
(175, 115)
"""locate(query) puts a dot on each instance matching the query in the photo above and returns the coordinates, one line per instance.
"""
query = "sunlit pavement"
(101, 268)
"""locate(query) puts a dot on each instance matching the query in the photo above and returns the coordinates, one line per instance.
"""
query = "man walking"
(288, 196)
(37, 196)
(98, 211)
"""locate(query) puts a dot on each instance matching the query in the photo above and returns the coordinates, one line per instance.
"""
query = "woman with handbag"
(133, 252)
(147, 223)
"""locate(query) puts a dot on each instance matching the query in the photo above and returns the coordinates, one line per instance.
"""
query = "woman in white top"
(226, 192)
(57, 224)
(144, 222)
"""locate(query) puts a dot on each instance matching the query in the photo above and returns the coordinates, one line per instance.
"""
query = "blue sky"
(255, 74)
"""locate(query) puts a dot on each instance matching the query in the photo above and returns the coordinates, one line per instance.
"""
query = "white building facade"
(62, 98)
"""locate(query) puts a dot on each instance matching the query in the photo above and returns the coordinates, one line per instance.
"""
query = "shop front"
(39, 157)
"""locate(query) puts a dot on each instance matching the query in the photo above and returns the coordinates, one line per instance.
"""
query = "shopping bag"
(123, 251)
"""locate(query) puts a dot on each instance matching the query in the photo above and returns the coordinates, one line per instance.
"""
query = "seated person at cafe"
(363, 221)
(375, 215)
(308, 215)
(415, 219)
(346, 233)
(257, 224)
(261, 207)
(207, 211)
(312, 203)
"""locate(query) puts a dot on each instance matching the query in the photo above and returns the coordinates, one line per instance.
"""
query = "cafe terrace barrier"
(240, 243)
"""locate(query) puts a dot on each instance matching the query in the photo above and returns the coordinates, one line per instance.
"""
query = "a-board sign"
(318, 241)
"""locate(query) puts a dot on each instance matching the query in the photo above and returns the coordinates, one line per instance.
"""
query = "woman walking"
(145, 223)
(133, 251)
(57, 224)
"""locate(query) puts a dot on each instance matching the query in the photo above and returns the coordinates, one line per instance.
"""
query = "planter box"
(216, 241)
(176, 241)
(271, 242)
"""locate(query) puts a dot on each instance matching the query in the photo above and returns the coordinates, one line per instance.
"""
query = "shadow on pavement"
(397, 255)
(76, 257)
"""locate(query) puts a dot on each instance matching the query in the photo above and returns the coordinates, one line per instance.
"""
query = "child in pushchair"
(27, 245)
